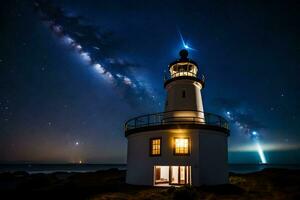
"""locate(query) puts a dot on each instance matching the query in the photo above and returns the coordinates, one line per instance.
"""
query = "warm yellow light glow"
(181, 146)
(185, 114)
(155, 146)
(172, 175)
(178, 131)
(183, 69)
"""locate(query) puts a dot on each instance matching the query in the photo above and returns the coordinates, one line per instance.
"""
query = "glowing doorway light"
(261, 153)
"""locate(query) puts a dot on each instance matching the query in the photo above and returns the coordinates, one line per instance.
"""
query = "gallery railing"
(169, 76)
(176, 117)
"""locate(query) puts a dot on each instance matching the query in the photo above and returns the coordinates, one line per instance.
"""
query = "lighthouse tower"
(182, 145)
(184, 87)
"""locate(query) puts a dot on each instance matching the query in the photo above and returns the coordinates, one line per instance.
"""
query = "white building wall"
(208, 157)
(192, 100)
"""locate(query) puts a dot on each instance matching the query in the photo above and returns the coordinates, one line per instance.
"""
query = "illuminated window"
(155, 144)
(181, 146)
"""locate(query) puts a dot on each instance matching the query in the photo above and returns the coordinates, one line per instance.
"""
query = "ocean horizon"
(82, 168)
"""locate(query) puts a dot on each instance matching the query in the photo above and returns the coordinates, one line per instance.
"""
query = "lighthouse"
(182, 145)
(183, 80)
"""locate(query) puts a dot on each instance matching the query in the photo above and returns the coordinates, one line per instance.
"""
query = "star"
(254, 133)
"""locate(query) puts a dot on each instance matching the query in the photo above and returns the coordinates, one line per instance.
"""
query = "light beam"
(254, 135)
(184, 44)
(182, 40)
(261, 153)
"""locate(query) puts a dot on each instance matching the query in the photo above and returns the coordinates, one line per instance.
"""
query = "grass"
(110, 184)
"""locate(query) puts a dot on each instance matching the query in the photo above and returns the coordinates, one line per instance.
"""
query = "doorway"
(172, 175)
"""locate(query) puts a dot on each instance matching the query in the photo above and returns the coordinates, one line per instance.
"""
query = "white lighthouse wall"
(208, 157)
(192, 99)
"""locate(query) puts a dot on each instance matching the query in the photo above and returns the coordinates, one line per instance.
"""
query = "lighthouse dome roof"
(183, 59)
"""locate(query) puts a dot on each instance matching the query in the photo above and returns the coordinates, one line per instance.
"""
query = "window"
(183, 93)
(155, 144)
(181, 146)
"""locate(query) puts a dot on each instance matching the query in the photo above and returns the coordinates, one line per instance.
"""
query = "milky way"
(94, 48)
(73, 72)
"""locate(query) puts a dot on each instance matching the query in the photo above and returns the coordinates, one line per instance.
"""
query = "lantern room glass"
(183, 69)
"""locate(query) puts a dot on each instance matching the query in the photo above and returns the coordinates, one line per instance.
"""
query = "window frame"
(189, 147)
(151, 146)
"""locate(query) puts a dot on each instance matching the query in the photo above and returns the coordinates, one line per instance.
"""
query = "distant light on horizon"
(272, 146)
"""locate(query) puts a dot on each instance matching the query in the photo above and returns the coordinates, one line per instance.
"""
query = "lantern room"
(183, 66)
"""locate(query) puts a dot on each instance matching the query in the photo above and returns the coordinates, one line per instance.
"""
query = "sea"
(51, 168)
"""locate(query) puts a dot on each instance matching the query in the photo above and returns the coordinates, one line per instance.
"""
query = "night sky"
(61, 102)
